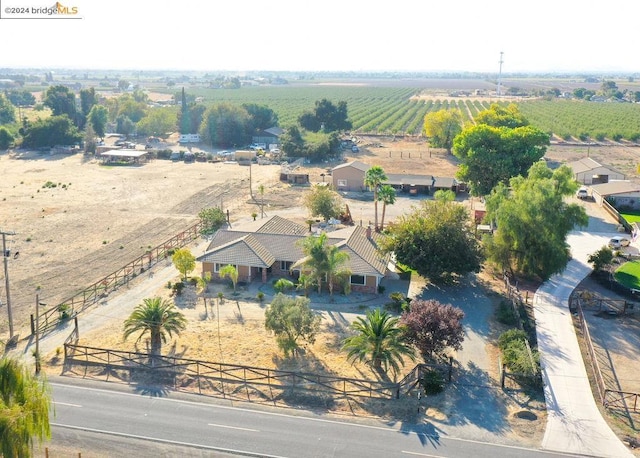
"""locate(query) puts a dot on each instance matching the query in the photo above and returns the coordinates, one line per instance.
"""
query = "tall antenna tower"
(500, 75)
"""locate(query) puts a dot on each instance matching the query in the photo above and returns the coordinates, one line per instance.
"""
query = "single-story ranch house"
(588, 171)
(350, 177)
(266, 249)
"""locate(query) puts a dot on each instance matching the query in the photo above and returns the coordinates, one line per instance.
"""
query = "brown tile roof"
(244, 251)
(262, 249)
(355, 164)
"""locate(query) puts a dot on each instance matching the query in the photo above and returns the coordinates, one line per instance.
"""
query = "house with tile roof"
(350, 177)
(264, 250)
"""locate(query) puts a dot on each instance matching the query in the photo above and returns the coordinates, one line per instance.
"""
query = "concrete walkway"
(574, 423)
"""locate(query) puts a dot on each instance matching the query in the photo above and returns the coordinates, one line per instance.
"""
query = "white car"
(618, 242)
(582, 193)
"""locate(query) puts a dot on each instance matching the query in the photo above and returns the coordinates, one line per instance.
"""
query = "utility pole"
(500, 75)
(38, 334)
(5, 257)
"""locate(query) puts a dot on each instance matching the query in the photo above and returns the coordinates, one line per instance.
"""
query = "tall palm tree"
(159, 318)
(373, 178)
(25, 402)
(388, 197)
(379, 342)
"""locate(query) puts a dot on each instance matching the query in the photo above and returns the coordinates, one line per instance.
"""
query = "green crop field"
(399, 110)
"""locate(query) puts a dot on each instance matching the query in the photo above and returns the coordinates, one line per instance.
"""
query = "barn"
(589, 171)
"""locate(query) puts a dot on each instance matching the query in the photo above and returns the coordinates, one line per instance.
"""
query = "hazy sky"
(349, 35)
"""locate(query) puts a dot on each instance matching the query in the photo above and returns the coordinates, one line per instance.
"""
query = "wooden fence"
(219, 379)
(79, 302)
(624, 401)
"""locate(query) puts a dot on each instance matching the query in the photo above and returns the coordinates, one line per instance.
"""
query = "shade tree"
(436, 239)
(533, 221)
(291, 319)
(433, 327)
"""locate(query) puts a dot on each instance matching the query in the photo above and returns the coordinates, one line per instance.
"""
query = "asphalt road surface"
(221, 429)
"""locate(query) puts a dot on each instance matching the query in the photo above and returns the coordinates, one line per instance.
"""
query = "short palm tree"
(231, 272)
(159, 318)
(379, 342)
(373, 178)
(25, 403)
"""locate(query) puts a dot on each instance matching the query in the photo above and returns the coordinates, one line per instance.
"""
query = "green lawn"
(631, 217)
(628, 274)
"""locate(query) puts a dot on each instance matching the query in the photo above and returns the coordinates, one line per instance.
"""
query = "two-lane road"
(205, 423)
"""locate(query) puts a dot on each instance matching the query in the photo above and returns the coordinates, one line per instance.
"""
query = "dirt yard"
(77, 220)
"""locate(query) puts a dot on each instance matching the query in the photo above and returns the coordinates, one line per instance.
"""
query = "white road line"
(420, 454)
(165, 441)
(66, 404)
(234, 427)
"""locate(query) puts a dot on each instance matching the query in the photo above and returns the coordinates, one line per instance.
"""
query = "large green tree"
(373, 178)
(326, 116)
(6, 138)
(291, 142)
(7, 110)
(157, 317)
(158, 122)
(323, 201)
(291, 319)
(492, 154)
(436, 239)
(442, 126)
(379, 342)
(51, 131)
(62, 101)
(21, 98)
(98, 118)
(88, 99)
(25, 405)
(261, 117)
(225, 125)
(533, 220)
(502, 116)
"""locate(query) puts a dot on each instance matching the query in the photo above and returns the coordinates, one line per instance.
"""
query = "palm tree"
(159, 318)
(379, 342)
(335, 266)
(316, 257)
(323, 261)
(25, 403)
(373, 178)
(388, 197)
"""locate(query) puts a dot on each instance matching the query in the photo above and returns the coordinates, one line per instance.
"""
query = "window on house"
(357, 280)
(285, 265)
(217, 267)
(342, 183)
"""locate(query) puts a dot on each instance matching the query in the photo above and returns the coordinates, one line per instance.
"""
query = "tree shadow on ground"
(477, 401)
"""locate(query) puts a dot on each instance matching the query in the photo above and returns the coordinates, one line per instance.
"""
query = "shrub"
(505, 314)
(260, 296)
(65, 311)
(507, 337)
(282, 285)
(432, 382)
(178, 287)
